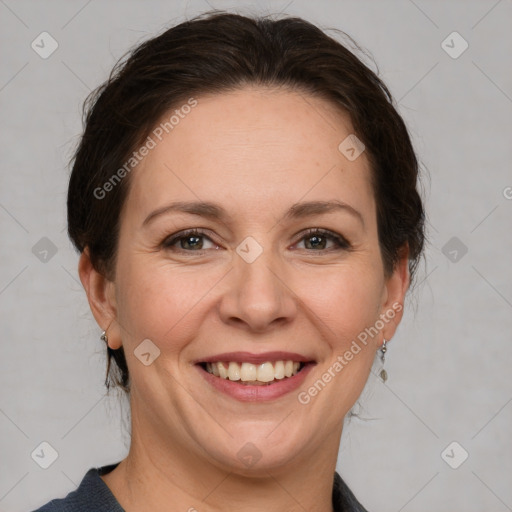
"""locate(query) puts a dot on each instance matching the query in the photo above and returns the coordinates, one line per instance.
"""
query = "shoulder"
(343, 499)
(92, 495)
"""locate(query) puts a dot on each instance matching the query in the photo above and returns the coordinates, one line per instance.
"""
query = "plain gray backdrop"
(449, 391)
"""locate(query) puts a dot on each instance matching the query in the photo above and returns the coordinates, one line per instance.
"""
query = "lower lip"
(247, 393)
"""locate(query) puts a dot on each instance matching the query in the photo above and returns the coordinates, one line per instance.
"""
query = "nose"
(258, 297)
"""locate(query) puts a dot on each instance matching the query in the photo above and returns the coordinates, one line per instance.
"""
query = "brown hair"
(214, 53)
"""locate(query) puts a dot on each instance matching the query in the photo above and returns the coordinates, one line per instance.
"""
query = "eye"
(316, 239)
(190, 240)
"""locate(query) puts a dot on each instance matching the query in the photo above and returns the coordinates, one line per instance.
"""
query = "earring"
(383, 373)
(104, 337)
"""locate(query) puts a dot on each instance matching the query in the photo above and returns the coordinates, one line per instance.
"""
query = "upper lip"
(249, 357)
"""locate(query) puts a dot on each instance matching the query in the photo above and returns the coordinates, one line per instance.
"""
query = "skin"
(255, 152)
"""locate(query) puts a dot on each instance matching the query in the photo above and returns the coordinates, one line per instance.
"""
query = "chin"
(255, 449)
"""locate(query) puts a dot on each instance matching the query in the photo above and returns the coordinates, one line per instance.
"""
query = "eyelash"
(341, 242)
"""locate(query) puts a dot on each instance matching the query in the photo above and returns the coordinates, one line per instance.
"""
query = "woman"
(244, 201)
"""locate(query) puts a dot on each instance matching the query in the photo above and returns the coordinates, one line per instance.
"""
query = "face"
(284, 259)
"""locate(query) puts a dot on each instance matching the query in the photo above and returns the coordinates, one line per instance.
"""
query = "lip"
(247, 393)
(249, 357)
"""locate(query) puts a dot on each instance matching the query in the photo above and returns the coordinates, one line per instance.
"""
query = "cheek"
(161, 302)
(345, 302)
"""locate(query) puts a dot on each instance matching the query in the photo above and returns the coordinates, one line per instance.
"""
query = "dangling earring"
(383, 373)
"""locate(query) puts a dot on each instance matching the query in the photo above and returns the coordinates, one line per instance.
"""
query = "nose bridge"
(257, 295)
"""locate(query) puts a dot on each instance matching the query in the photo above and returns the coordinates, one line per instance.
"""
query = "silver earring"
(104, 337)
(383, 373)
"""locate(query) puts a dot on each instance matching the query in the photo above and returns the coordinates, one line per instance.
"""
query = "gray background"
(449, 363)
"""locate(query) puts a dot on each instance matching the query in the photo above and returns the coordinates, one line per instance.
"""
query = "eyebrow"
(202, 208)
(299, 210)
(216, 212)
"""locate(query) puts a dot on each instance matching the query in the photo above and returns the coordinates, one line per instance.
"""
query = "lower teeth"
(255, 382)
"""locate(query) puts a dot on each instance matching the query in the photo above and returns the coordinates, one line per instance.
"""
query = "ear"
(395, 288)
(101, 296)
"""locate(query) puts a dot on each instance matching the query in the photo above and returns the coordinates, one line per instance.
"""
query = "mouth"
(251, 377)
(249, 374)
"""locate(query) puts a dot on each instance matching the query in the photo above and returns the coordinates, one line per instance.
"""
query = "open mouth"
(249, 374)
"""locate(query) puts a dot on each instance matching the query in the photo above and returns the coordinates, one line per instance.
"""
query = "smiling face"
(255, 277)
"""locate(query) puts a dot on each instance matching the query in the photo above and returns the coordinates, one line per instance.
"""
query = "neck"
(162, 472)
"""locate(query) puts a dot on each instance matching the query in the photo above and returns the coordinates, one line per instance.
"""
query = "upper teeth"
(264, 372)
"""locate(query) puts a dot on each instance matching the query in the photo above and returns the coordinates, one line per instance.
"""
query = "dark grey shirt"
(93, 495)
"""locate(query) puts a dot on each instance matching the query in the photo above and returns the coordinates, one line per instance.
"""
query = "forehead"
(251, 147)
